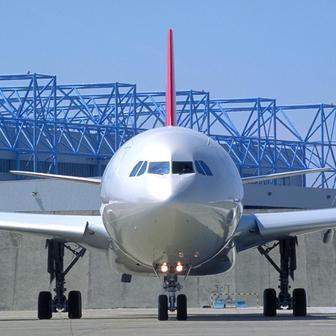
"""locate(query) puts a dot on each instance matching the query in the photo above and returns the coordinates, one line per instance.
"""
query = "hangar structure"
(75, 129)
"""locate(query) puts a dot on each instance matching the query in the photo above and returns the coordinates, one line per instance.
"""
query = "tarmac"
(319, 321)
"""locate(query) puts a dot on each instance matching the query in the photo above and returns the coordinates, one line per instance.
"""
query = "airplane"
(171, 207)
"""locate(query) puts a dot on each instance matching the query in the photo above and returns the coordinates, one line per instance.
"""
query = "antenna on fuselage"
(170, 93)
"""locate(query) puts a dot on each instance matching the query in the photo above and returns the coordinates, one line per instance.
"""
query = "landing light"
(164, 268)
(179, 267)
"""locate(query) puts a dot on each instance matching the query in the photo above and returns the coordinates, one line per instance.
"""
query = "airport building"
(75, 129)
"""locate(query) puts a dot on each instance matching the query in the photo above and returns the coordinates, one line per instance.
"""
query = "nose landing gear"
(172, 303)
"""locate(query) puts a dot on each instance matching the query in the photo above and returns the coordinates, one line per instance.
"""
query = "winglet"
(170, 93)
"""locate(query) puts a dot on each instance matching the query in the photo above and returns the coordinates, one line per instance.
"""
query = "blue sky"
(281, 49)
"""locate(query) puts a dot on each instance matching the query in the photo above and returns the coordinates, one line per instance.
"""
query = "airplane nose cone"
(165, 188)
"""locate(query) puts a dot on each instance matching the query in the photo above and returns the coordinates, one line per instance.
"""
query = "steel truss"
(41, 122)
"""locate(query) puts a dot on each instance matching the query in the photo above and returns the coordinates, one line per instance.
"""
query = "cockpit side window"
(136, 168)
(160, 168)
(182, 167)
(203, 168)
(199, 168)
(142, 169)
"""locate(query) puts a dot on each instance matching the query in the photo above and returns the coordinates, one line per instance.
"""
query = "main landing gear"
(46, 303)
(172, 302)
(298, 301)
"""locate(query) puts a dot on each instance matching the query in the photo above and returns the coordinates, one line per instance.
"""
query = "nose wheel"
(181, 307)
(163, 308)
(172, 302)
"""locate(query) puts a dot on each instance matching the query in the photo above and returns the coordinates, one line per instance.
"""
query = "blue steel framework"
(42, 121)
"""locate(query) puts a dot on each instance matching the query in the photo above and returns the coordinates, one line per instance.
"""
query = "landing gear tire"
(299, 302)
(75, 305)
(44, 307)
(270, 302)
(181, 307)
(163, 308)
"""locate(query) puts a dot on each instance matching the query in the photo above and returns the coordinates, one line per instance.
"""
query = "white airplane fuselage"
(166, 216)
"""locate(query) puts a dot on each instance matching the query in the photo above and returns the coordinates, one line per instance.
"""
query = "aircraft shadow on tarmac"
(196, 317)
(258, 317)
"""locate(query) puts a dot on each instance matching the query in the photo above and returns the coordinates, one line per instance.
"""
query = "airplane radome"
(171, 208)
(190, 214)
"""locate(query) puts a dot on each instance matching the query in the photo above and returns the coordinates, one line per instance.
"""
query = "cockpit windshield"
(159, 168)
(163, 168)
(182, 167)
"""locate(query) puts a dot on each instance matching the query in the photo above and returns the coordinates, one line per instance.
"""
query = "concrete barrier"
(23, 260)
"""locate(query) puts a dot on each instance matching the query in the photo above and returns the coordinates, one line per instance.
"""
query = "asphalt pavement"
(143, 322)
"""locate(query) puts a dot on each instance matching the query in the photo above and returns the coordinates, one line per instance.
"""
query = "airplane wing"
(70, 228)
(59, 177)
(274, 176)
(257, 229)
(245, 180)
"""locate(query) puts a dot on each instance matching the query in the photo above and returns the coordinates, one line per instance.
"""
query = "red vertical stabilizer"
(170, 93)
